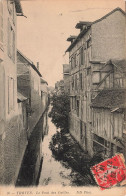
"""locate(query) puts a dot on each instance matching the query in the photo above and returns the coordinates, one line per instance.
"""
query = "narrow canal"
(53, 172)
(39, 166)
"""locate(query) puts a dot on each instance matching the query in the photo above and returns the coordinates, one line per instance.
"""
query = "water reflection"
(39, 167)
(53, 172)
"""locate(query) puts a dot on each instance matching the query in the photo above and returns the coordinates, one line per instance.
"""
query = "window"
(10, 94)
(72, 82)
(81, 81)
(96, 77)
(81, 130)
(88, 71)
(41, 94)
(81, 56)
(11, 9)
(72, 62)
(77, 109)
(88, 42)
(1, 24)
(75, 82)
(75, 100)
(75, 60)
(11, 42)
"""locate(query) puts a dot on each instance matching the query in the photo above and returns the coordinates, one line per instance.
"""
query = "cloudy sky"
(42, 35)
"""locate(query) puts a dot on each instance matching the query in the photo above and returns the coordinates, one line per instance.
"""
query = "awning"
(21, 97)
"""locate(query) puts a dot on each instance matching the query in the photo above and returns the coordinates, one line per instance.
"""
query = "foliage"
(60, 111)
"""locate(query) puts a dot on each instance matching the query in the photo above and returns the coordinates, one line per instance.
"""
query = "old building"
(108, 121)
(13, 137)
(66, 78)
(96, 44)
(108, 108)
(29, 84)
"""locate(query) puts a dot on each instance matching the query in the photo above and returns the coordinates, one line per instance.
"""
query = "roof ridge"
(108, 14)
(31, 63)
(98, 20)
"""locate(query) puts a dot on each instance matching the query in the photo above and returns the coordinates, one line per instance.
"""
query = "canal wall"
(32, 161)
(12, 149)
(16, 140)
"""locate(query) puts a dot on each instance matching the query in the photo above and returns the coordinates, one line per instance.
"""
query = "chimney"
(38, 66)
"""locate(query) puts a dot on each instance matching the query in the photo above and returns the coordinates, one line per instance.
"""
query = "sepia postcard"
(63, 97)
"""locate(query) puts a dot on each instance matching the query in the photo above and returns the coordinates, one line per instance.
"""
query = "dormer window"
(82, 25)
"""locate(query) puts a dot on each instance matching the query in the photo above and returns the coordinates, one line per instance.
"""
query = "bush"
(60, 111)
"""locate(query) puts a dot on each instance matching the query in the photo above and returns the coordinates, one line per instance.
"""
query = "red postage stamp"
(110, 172)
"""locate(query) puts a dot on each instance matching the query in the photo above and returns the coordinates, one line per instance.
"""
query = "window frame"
(11, 9)
(11, 42)
(81, 80)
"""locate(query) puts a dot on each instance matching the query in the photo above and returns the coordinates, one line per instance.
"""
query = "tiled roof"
(120, 64)
(110, 98)
(30, 62)
(43, 81)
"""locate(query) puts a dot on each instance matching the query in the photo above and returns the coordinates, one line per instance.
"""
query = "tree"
(60, 111)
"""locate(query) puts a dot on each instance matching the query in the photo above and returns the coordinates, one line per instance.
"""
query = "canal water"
(53, 172)
(39, 167)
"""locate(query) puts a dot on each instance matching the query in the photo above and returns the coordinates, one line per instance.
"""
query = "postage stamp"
(110, 172)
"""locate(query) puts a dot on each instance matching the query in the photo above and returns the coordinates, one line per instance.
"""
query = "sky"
(42, 35)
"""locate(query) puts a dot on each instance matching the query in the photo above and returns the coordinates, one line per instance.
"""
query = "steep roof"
(120, 64)
(30, 62)
(18, 7)
(43, 81)
(88, 25)
(110, 98)
(78, 37)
